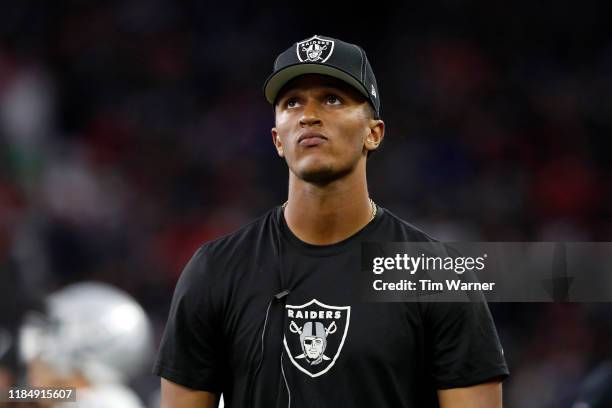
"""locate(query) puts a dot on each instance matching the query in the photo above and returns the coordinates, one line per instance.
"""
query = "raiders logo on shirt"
(315, 335)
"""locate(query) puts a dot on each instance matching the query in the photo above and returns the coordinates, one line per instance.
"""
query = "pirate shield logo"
(314, 49)
(315, 335)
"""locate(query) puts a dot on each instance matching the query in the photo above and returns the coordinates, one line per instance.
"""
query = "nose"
(310, 114)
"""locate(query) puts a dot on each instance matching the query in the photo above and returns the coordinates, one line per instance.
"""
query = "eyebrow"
(326, 87)
(329, 85)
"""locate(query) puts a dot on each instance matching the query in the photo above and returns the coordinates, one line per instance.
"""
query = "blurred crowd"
(133, 131)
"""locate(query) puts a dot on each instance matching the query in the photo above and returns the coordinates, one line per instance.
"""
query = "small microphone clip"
(282, 294)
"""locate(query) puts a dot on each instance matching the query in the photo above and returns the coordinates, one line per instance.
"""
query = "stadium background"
(131, 132)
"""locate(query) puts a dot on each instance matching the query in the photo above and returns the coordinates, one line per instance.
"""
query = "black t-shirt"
(320, 345)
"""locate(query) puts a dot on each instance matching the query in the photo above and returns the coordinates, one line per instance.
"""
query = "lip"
(311, 139)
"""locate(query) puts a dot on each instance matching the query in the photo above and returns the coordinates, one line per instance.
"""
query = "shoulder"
(215, 259)
(402, 230)
(249, 235)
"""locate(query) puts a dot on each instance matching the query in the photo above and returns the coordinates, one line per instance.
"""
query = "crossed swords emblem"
(331, 329)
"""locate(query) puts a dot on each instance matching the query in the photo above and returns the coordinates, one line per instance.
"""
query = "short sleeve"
(191, 348)
(465, 347)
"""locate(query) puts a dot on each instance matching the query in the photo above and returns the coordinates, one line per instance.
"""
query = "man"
(93, 337)
(244, 301)
(313, 342)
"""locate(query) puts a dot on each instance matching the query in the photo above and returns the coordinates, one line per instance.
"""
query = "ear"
(376, 134)
(277, 142)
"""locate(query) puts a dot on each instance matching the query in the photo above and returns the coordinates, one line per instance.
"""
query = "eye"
(332, 99)
(291, 103)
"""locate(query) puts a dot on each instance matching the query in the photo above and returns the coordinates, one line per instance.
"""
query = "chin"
(322, 169)
(322, 174)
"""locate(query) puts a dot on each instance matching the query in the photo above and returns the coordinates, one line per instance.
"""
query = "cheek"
(283, 120)
(283, 128)
(353, 131)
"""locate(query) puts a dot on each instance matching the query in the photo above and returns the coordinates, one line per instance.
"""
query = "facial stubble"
(324, 174)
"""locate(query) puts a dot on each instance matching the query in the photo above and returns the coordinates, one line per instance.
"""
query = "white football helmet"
(90, 328)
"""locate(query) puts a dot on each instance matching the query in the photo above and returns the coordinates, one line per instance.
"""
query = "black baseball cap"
(327, 56)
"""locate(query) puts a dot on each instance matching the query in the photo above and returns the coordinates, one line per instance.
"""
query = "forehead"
(317, 81)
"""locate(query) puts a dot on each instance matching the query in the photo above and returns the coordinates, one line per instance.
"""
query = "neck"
(323, 215)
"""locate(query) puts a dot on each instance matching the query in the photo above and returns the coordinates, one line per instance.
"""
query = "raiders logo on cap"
(314, 49)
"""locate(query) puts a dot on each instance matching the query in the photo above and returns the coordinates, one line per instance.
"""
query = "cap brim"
(277, 80)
